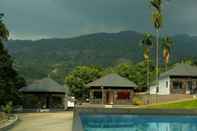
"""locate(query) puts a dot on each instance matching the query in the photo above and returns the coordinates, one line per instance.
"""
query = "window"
(177, 85)
(166, 84)
(123, 95)
(97, 95)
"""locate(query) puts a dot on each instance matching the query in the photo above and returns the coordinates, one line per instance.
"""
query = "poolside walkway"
(44, 122)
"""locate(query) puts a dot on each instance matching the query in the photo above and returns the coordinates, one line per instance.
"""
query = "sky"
(36, 19)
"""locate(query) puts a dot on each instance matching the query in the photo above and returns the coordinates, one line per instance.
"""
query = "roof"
(45, 85)
(181, 70)
(112, 80)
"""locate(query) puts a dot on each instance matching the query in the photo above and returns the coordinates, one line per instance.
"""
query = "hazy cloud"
(67, 18)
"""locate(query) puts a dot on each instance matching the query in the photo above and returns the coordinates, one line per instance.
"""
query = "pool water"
(125, 122)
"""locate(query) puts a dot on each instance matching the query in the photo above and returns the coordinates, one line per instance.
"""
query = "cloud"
(67, 18)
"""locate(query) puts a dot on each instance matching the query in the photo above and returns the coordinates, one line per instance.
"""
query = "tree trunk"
(166, 66)
(148, 83)
(157, 62)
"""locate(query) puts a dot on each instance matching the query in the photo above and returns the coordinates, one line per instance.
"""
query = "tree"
(147, 43)
(157, 22)
(127, 70)
(81, 76)
(10, 81)
(58, 72)
(166, 46)
(135, 73)
(4, 33)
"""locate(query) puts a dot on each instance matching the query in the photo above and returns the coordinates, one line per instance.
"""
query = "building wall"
(152, 89)
(185, 86)
(123, 101)
(164, 87)
(114, 93)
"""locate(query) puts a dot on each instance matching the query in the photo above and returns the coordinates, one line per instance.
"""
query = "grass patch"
(191, 104)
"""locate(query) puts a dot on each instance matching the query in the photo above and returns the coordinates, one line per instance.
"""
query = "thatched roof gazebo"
(111, 89)
(45, 85)
(47, 92)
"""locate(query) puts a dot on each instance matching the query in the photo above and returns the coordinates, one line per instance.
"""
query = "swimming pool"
(128, 122)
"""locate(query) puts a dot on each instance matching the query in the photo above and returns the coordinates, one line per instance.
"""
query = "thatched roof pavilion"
(111, 89)
(48, 91)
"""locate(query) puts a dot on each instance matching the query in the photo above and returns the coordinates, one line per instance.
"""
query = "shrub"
(137, 101)
(7, 108)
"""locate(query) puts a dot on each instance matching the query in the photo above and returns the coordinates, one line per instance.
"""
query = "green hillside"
(38, 59)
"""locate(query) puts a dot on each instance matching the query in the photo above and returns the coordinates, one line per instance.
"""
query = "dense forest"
(57, 57)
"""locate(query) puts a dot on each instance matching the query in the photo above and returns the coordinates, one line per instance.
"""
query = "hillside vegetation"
(57, 57)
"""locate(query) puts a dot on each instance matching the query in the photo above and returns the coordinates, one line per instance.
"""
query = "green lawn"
(192, 104)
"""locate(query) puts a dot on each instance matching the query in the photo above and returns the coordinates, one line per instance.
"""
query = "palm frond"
(167, 43)
(147, 40)
(146, 54)
(166, 55)
(156, 4)
(157, 19)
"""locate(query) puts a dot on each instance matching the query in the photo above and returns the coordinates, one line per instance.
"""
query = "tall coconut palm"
(147, 43)
(167, 43)
(157, 22)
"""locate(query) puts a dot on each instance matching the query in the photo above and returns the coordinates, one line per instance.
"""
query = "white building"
(182, 79)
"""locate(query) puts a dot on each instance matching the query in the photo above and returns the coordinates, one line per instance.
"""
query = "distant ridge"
(37, 59)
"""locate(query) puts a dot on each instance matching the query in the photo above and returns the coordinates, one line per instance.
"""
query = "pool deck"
(58, 121)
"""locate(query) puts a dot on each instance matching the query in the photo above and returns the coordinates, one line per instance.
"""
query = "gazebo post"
(102, 94)
(48, 101)
(91, 96)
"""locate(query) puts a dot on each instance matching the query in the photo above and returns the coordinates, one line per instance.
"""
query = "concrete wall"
(164, 87)
(152, 89)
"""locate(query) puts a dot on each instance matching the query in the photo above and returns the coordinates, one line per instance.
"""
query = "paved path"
(44, 122)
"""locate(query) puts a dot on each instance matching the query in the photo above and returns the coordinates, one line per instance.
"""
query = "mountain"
(56, 57)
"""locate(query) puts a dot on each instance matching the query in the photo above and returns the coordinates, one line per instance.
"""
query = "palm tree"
(157, 22)
(156, 4)
(166, 46)
(4, 33)
(147, 43)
